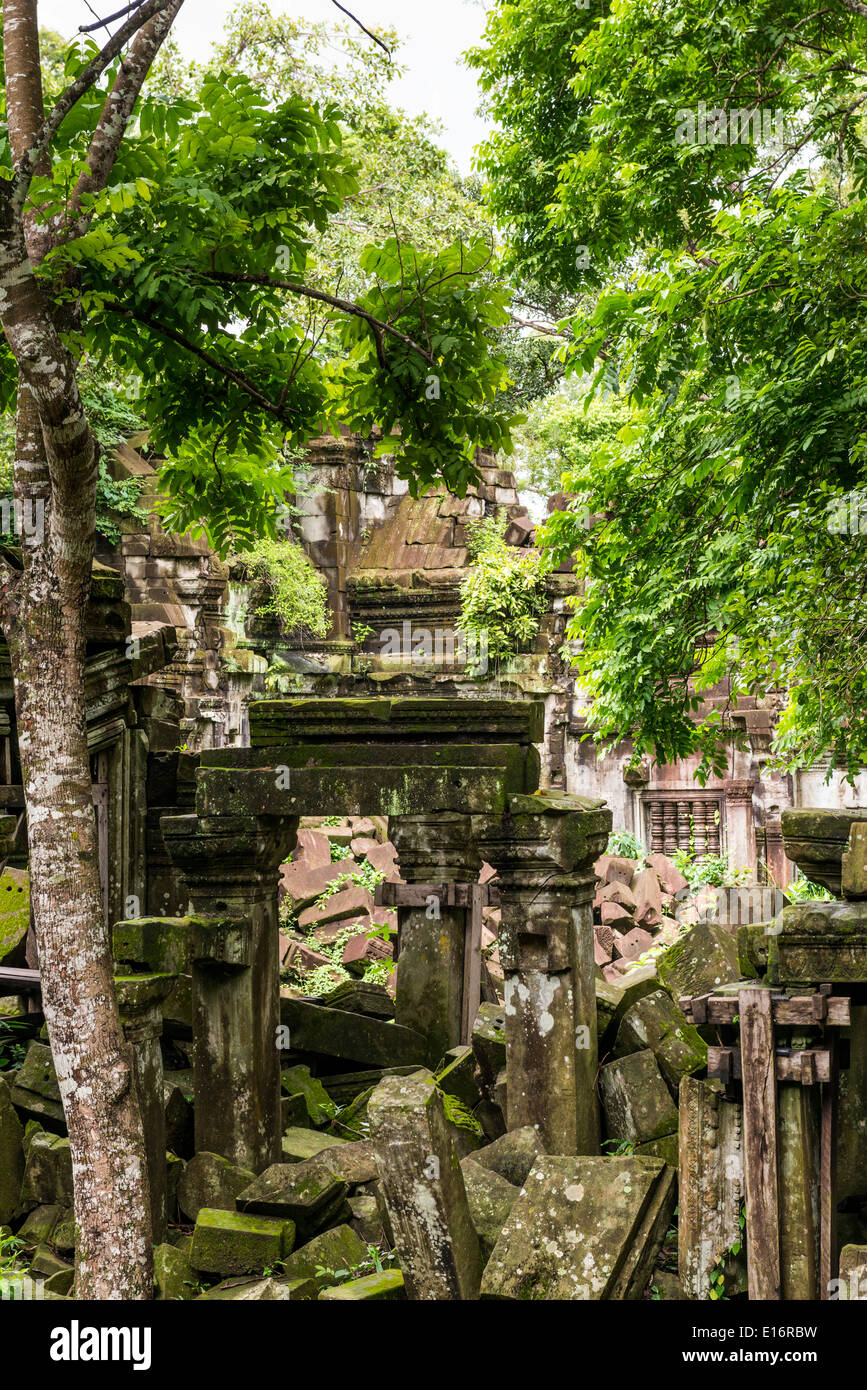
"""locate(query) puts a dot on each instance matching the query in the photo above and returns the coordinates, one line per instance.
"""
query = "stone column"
(433, 849)
(543, 849)
(140, 999)
(740, 827)
(229, 866)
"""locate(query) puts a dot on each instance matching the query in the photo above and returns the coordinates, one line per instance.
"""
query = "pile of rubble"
(634, 909)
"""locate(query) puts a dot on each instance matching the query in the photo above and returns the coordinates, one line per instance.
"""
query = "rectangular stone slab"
(571, 1234)
(819, 943)
(415, 787)
(378, 720)
(355, 1037)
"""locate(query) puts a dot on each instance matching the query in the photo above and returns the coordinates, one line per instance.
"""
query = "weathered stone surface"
(305, 1193)
(211, 1181)
(457, 1076)
(665, 1148)
(35, 1089)
(366, 1219)
(302, 884)
(702, 960)
(231, 1242)
(656, 1022)
(490, 1198)
(297, 1145)
(39, 1225)
(354, 1162)
(387, 1286)
(648, 899)
(11, 1155)
(312, 848)
(854, 863)
(14, 916)
(583, 1228)
(179, 1119)
(382, 720)
(256, 1291)
(351, 1036)
(798, 1158)
(852, 1284)
(671, 880)
(711, 1181)
(349, 903)
(423, 1189)
(816, 942)
(339, 1248)
(489, 1040)
(815, 839)
(614, 868)
(173, 1275)
(359, 997)
(297, 1081)
(48, 1172)
(637, 1103)
(513, 1155)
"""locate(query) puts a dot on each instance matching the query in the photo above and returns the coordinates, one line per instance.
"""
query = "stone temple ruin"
(514, 1113)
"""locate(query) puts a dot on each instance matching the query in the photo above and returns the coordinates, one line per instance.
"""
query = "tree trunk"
(46, 630)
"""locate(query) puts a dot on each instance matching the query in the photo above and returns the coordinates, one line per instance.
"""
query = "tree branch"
(357, 21)
(27, 164)
(346, 306)
(120, 102)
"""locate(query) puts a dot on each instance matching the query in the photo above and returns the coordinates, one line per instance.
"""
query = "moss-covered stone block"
(297, 1145)
(385, 1287)
(339, 1249)
(14, 916)
(306, 1193)
(656, 1022)
(174, 1279)
(490, 1199)
(702, 960)
(297, 1081)
(637, 1103)
(35, 1089)
(209, 1180)
(512, 1155)
(232, 1242)
(11, 1155)
(48, 1172)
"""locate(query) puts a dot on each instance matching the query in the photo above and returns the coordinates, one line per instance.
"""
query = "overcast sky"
(436, 33)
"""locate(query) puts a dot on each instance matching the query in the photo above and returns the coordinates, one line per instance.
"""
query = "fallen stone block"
(297, 1081)
(312, 849)
(361, 951)
(489, 1041)
(39, 1226)
(321, 1258)
(211, 1181)
(305, 1193)
(301, 886)
(173, 1275)
(386, 1286)
(297, 1145)
(362, 846)
(350, 1036)
(11, 1155)
(35, 1089)
(583, 1228)
(48, 1172)
(354, 1162)
(656, 1022)
(513, 1155)
(648, 899)
(666, 1148)
(457, 1076)
(423, 1189)
(616, 893)
(366, 1221)
(349, 903)
(256, 1291)
(359, 997)
(614, 997)
(490, 1199)
(671, 880)
(14, 916)
(636, 1101)
(852, 1283)
(634, 943)
(232, 1242)
(702, 960)
(614, 868)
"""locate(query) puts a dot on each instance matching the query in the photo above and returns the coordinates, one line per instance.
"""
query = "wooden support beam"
(19, 981)
(473, 962)
(788, 1011)
(809, 1066)
(448, 894)
(828, 1180)
(760, 1145)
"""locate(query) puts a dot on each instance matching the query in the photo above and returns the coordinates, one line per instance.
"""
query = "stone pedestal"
(229, 867)
(543, 849)
(140, 999)
(433, 849)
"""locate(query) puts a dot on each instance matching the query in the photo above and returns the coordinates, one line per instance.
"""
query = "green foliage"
(458, 1114)
(296, 593)
(503, 597)
(722, 291)
(565, 432)
(365, 876)
(803, 890)
(374, 1262)
(12, 1052)
(708, 870)
(623, 843)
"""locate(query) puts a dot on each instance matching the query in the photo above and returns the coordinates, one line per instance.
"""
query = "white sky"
(435, 33)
